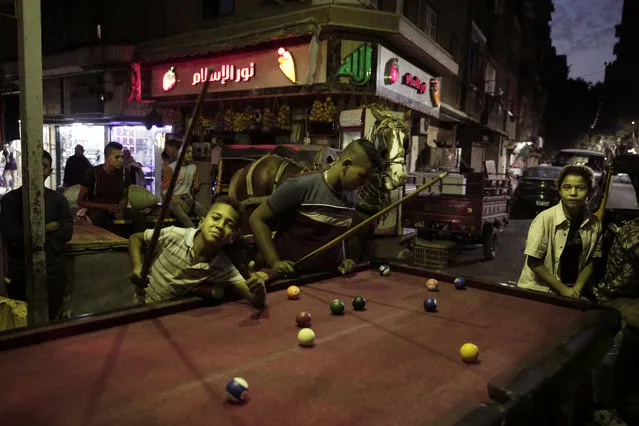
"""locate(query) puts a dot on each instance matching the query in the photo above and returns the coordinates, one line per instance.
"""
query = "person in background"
(216, 155)
(133, 168)
(58, 231)
(619, 289)
(10, 167)
(563, 240)
(187, 185)
(172, 149)
(191, 262)
(104, 191)
(311, 210)
(75, 168)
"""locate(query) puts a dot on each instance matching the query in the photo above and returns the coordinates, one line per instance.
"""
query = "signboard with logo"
(402, 82)
(270, 68)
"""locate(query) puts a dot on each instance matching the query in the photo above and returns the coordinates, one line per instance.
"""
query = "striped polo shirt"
(174, 271)
(310, 215)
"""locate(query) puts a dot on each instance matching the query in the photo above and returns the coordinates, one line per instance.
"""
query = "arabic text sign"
(401, 81)
(244, 71)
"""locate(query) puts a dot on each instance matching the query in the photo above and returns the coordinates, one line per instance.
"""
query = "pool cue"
(380, 213)
(148, 258)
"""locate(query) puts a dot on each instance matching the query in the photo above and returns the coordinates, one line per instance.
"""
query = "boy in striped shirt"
(191, 262)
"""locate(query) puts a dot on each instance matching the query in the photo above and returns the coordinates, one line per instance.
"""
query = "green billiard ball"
(337, 307)
(359, 303)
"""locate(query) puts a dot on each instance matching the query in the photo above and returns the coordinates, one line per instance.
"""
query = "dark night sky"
(585, 31)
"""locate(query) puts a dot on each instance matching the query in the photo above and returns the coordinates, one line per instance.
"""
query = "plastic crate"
(433, 254)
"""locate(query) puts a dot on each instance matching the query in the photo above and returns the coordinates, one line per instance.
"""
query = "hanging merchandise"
(269, 120)
(284, 118)
(324, 112)
(229, 120)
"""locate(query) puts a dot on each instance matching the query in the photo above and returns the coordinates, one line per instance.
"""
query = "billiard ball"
(293, 292)
(359, 303)
(469, 352)
(384, 270)
(337, 307)
(432, 284)
(306, 337)
(430, 304)
(460, 283)
(237, 390)
(303, 319)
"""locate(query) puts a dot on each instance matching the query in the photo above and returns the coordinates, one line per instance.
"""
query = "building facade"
(468, 70)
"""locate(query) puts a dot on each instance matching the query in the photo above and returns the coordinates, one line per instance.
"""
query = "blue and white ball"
(237, 390)
(384, 270)
(460, 283)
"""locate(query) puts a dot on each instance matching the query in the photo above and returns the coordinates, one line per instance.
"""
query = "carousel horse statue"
(252, 184)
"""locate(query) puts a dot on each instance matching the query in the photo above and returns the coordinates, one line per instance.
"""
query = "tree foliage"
(571, 110)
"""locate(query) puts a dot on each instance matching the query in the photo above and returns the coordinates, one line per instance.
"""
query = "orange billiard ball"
(293, 292)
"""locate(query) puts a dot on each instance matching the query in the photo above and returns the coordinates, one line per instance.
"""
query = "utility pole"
(30, 68)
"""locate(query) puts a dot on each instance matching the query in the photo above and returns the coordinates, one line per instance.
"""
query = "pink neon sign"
(169, 80)
(224, 74)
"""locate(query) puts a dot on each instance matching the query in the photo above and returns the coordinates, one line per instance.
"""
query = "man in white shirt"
(563, 240)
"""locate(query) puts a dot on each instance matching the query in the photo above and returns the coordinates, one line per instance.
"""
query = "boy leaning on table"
(563, 240)
(192, 262)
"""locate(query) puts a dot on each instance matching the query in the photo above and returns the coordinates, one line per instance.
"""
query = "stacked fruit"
(204, 122)
(269, 120)
(242, 121)
(324, 112)
(284, 118)
(229, 119)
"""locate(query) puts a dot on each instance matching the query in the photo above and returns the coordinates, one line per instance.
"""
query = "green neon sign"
(358, 65)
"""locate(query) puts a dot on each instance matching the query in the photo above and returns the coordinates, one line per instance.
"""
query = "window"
(490, 79)
(454, 47)
(216, 8)
(429, 21)
(422, 15)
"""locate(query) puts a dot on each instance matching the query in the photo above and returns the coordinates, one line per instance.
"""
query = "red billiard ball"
(303, 319)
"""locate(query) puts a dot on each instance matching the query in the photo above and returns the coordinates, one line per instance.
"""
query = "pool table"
(390, 364)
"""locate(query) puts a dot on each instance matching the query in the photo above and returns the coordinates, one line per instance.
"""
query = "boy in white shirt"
(192, 261)
(563, 240)
(187, 185)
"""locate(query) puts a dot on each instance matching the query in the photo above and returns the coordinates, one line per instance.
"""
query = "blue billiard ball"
(430, 304)
(237, 390)
(460, 283)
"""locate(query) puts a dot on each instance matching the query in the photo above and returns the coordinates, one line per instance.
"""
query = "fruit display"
(242, 121)
(284, 118)
(324, 112)
(269, 120)
(229, 119)
(204, 123)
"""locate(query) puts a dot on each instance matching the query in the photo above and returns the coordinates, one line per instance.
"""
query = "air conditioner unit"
(420, 127)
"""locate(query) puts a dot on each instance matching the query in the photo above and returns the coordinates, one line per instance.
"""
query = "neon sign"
(226, 73)
(169, 80)
(434, 92)
(287, 64)
(415, 82)
(391, 71)
(357, 65)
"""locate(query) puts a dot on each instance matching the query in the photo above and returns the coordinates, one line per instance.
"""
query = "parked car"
(537, 189)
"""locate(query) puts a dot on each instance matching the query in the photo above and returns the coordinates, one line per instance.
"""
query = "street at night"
(319, 212)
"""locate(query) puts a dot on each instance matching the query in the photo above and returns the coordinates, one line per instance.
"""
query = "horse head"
(390, 134)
